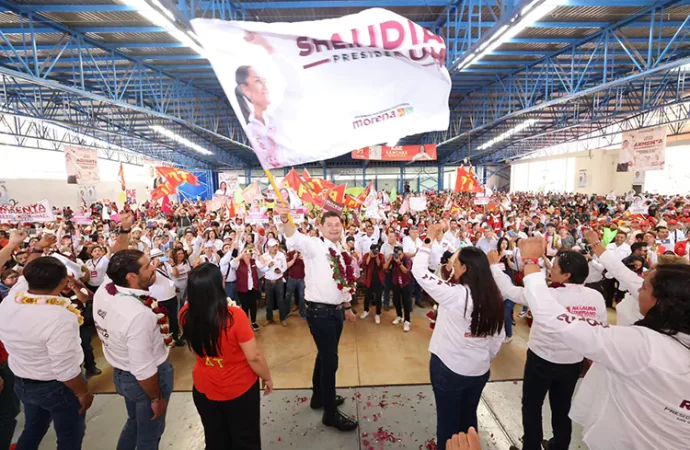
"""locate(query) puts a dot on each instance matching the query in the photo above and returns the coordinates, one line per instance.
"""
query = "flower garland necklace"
(344, 275)
(160, 311)
(56, 301)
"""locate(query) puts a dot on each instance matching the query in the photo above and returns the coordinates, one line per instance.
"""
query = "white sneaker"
(398, 320)
(377, 319)
(406, 327)
(508, 340)
(364, 315)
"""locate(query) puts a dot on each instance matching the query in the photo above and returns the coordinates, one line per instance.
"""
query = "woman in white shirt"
(635, 396)
(165, 292)
(467, 336)
(212, 237)
(179, 269)
(97, 266)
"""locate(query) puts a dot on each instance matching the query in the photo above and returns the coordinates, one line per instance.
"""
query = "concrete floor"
(393, 417)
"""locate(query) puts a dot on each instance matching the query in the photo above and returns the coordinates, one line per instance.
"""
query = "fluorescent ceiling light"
(164, 18)
(528, 16)
(503, 136)
(180, 140)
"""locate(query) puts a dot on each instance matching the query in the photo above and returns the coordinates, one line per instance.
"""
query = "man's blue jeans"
(509, 305)
(140, 432)
(231, 291)
(46, 401)
(326, 326)
(275, 298)
(295, 289)
(387, 287)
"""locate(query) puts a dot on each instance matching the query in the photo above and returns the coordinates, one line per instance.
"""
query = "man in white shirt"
(488, 241)
(674, 234)
(133, 343)
(387, 250)
(40, 330)
(622, 250)
(552, 367)
(328, 306)
(274, 265)
(364, 241)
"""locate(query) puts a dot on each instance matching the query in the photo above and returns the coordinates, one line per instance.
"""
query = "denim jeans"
(231, 291)
(559, 380)
(457, 398)
(325, 325)
(387, 286)
(9, 407)
(46, 401)
(509, 305)
(417, 290)
(295, 289)
(140, 432)
(275, 298)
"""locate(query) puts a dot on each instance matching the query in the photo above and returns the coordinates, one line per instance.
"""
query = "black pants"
(559, 380)
(87, 348)
(325, 325)
(173, 308)
(402, 299)
(248, 302)
(9, 407)
(233, 424)
(373, 295)
(611, 292)
(275, 299)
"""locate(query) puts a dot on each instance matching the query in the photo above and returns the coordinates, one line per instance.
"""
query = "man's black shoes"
(318, 404)
(340, 421)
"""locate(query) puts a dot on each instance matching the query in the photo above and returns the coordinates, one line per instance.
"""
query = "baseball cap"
(156, 252)
(272, 242)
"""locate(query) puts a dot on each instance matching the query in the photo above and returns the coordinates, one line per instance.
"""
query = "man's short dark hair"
(122, 263)
(637, 246)
(45, 273)
(660, 227)
(329, 214)
(621, 233)
(575, 264)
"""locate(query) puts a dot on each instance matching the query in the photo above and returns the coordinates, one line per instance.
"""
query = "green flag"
(394, 195)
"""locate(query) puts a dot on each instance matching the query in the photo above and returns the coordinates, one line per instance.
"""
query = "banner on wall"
(131, 196)
(82, 166)
(380, 74)
(643, 150)
(87, 195)
(397, 153)
(4, 194)
(582, 178)
(35, 212)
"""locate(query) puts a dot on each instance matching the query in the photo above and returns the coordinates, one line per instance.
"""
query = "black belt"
(28, 381)
(273, 281)
(316, 305)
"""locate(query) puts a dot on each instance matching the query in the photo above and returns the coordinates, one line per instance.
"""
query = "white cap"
(209, 244)
(156, 253)
(272, 242)
(136, 229)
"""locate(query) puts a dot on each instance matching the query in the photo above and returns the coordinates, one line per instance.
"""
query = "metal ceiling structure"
(100, 69)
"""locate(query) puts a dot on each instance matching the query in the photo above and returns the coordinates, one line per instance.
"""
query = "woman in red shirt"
(228, 365)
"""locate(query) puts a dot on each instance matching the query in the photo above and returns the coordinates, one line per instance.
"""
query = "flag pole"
(277, 191)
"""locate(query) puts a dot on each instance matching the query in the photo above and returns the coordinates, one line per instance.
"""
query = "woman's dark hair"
(45, 274)
(575, 264)
(7, 273)
(207, 316)
(241, 75)
(176, 251)
(122, 263)
(500, 241)
(488, 313)
(671, 288)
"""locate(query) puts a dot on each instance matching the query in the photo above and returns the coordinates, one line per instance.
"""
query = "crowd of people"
(144, 281)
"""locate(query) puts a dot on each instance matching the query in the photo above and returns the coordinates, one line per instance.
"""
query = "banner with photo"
(87, 195)
(397, 153)
(228, 183)
(4, 194)
(643, 150)
(35, 212)
(82, 166)
(310, 91)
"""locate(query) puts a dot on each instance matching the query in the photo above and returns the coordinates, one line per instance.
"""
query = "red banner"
(177, 176)
(397, 153)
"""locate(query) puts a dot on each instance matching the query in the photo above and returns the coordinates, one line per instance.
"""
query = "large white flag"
(310, 91)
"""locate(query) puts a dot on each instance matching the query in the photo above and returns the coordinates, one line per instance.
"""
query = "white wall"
(31, 175)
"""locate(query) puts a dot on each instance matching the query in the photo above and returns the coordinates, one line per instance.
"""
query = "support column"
(401, 186)
(248, 175)
(419, 184)
(440, 178)
(364, 175)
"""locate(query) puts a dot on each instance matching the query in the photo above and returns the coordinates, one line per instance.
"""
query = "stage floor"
(370, 354)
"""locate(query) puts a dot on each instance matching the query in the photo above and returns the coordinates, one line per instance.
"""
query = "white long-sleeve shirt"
(635, 396)
(452, 341)
(229, 272)
(132, 340)
(279, 262)
(42, 340)
(627, 311)
(576, 298)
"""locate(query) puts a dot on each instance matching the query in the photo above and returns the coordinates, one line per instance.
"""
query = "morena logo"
(685, 404)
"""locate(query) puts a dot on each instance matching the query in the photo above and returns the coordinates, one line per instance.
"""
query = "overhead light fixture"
(163, 17)
(180, 140)
(503, 136)
(524, 19)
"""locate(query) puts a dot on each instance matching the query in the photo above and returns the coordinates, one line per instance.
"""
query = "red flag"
(177, 176)
(122, 178)
(466, 181)
(336, 194)
(294, 182)
(365, 193)
(163, 190)
(351, 202)
(166, 206)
